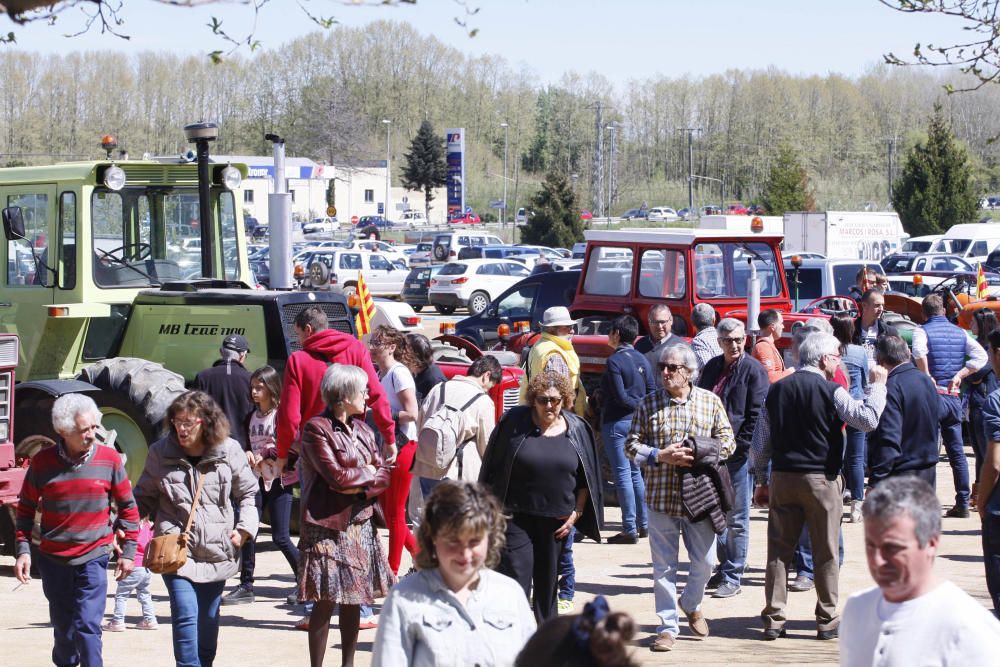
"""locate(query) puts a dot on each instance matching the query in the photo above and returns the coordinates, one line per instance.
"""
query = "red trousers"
(393, 503)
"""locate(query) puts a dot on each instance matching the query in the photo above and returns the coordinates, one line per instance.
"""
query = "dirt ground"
(262, 633)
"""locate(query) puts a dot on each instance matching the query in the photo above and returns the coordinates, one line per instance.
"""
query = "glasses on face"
(185, 424)
(548, 400)
(659, 323)
(835, 355)
(732, 341)
(673, 368)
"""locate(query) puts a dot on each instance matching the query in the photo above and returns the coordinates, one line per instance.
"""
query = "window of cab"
(721, 270)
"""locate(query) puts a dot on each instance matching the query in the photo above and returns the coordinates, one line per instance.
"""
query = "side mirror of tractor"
(13, 223)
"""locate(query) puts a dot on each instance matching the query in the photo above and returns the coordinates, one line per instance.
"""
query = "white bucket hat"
(557, 316)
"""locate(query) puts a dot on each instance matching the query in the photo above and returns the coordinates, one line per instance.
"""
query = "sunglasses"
(673, 368)
(731, 341)
(548, 400)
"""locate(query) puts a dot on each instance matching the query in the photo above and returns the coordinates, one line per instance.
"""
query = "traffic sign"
(354, 220)
(331, 211)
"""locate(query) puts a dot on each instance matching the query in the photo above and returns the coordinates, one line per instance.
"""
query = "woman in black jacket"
(542, 464)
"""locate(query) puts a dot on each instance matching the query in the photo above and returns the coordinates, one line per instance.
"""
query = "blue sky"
(621, 39)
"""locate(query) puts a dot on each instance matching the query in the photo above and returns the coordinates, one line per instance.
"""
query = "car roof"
(813, 263)
(480, 262)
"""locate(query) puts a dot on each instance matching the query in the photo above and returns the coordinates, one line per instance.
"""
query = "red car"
(469, 218)
(586, 215)
(738, 209)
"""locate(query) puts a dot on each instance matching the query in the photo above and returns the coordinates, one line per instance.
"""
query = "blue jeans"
(804, 554)
(854, 462)
(629, 486)
(279, 500)
(138, 581)
(699, 540)
(194, 613)
(734, 542)
(76, 606)
(991, 548)
(567, 569)
(950, 417)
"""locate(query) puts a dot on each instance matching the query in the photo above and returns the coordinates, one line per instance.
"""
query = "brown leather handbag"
(167, 553)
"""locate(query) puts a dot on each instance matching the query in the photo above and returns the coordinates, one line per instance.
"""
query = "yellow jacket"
(546, 346)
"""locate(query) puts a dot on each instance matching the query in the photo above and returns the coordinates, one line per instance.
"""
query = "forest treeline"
(328, 92)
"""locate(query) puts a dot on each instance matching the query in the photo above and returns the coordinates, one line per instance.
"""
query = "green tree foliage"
(936, 188)
(556, 222)
(425, 168)
(787, 187)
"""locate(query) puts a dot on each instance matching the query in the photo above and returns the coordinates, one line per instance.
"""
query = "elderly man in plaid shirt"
(661, 423)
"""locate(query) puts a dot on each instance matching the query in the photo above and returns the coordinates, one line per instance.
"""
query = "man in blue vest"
(948, 354)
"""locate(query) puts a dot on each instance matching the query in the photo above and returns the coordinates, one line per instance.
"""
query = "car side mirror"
(13, 223)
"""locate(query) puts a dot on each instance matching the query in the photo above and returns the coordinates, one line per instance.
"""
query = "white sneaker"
(856, 516)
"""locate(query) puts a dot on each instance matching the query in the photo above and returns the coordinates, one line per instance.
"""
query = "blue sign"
(455, 160)
(381, 208)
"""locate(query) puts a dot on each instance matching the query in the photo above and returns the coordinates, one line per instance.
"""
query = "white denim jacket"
(423, 624)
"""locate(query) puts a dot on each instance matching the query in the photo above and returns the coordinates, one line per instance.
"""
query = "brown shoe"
(664, 642)
(697, 623)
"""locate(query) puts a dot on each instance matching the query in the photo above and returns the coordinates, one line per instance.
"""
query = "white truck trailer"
(844, 234)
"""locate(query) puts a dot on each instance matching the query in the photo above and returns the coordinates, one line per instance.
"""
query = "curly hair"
(386, 335)
(550, 380)
(214, 424)
(423, 352)
(460, 508)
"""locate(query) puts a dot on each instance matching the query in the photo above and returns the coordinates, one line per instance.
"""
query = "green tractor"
(122, 278)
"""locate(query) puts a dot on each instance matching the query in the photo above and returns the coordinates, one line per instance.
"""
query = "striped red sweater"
(75, 504)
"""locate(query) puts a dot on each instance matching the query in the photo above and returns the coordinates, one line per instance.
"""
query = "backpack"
(439, 439)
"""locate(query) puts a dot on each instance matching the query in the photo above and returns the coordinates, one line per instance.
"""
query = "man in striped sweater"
(73, 485)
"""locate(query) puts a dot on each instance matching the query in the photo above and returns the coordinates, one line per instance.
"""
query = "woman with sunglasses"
(541, 462)
(198, 449)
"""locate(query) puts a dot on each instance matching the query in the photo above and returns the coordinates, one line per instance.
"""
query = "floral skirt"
(342, 566)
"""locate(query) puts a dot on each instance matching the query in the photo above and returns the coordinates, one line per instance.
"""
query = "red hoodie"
(301, 399)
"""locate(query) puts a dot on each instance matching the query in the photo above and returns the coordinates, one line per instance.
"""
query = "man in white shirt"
(911, 617)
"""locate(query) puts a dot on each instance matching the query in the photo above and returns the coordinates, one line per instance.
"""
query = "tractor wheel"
(133, 398)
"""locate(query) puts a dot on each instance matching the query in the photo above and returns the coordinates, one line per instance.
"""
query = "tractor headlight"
(231, 177)
(114, 178)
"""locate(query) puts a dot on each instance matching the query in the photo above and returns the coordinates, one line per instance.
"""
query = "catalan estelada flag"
(981, 288)
(363, 321)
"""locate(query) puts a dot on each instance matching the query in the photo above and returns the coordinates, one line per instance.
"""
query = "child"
(138, 581)
(275, 485)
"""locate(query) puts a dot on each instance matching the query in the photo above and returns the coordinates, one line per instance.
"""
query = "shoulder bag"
(167, 553)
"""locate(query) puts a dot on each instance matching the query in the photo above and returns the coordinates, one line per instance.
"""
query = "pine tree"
(556, 221)
(425, 167)
(787, 186)
(936, 188)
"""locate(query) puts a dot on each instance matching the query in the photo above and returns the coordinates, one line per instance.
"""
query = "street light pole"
(388, 171)
(503, 211)
(611, 163)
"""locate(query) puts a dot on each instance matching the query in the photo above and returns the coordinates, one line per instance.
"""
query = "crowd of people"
(693, 434)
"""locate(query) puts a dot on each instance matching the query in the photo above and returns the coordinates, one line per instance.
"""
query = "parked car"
(469, 218)
(412, 218)
(579, 250)
(521, 217)
(686, 213)
(710, 210)
(737, 209)
(376, 220)
(586, 215)
(320, 226)
(634, 214)
(338, 270)
(447, 244)
(498, 252)
(473, 283)
(756, 209)
(371, 245)
(524, 301)
(662, 214)
(824, 277)
(901, 262)
(422, 255)
(418, 281)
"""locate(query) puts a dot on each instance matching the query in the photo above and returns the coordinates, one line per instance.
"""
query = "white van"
(973, 242)
(413, 218)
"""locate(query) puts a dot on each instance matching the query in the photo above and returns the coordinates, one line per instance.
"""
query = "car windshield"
(145, 237)
(952, 246)
(452, 270)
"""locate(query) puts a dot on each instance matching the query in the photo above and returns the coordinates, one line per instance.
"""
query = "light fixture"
(114, 178)
(231, 177)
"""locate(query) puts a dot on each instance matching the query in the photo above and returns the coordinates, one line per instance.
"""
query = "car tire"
(440, 253)
(444, 310)
(478, 302)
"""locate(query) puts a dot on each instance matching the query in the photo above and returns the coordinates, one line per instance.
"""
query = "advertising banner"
(455, 158)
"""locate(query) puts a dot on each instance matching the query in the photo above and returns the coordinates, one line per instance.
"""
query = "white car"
(413, 218)
(473, 283)
(320, 226)
(662, 214)
(422, 255)
(337, 270)
(372, 245)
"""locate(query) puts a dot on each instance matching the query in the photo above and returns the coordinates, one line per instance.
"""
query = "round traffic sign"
(354, 220)
(331, 211)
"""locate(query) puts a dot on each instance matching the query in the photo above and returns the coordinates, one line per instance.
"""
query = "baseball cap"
(236, 342)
